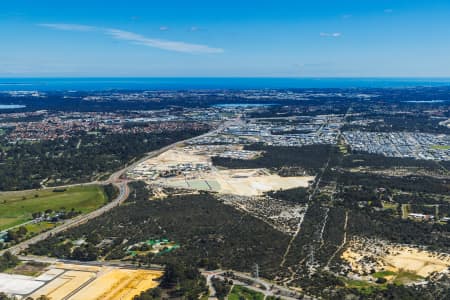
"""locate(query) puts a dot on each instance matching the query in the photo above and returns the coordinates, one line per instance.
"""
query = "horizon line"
(227, 77)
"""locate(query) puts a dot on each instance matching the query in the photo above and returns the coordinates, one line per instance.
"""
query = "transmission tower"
(256, 270)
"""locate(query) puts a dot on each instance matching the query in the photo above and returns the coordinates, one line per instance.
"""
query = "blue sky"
(360, 38)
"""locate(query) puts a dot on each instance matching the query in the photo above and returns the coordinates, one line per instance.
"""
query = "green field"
(440, 147)
(343, 149)
(363, 287)
(198, 184)
(39, 227)
(17, 207)
(367, 288)
(382, 274)
(405, 277)
(240, 292)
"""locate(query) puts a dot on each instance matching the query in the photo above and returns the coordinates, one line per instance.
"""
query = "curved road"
(267, 288)
(114, 179)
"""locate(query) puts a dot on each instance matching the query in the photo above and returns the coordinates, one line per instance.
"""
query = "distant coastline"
(172, 83)
(11, 106)
(426, 101)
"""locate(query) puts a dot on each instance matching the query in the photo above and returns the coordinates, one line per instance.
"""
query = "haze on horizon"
(292, 38)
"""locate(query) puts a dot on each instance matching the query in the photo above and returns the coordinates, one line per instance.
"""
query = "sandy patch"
(256, 182)
(191, 168)
(80, 282)
(175, 156)
(119, 284)
(423, 263)
(63, 285)
(76, 267)
(364, 255)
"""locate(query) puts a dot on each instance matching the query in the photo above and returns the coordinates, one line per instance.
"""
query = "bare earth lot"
(365, 255)
(251, 182)
(244, 182)
(73, 281)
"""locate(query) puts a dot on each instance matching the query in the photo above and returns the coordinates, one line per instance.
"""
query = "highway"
(115, 179)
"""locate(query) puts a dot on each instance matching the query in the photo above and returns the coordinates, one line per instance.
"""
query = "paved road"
(269, 289)
(115, 179)
(111, 263)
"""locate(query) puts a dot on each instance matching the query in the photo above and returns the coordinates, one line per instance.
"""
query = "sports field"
(16, 207)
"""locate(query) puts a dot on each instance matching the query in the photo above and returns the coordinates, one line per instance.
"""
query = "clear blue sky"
(225, 38)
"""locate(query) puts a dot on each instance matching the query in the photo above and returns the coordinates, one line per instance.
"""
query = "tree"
(3, 296)
(22, 231)
(36, 215)
(7, 260)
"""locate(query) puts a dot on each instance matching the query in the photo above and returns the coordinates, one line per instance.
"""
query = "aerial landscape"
(137, 167)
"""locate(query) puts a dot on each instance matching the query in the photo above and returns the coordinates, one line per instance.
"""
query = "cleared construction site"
(79, 282)
(191, 168)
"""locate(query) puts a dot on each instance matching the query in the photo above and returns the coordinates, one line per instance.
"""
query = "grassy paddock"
(382, 274)
(405, 277)
(17, 207)
(39, 227)
(399, 278)
(362, 286)
(240, 292)
(440, 147)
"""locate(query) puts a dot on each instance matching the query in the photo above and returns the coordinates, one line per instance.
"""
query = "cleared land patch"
(193, 169)
(74, 281)
(119, 284)
(394, 262)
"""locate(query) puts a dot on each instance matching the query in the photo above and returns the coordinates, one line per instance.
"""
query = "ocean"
(97, 84)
